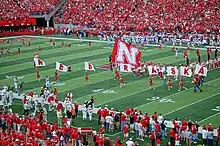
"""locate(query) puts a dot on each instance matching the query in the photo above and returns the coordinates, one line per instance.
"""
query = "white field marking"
(146, 90)
(113, 134)
(13, 37)
(172, 94)
(86, 40)
(80, 69)
(209, 117)
(192, 103)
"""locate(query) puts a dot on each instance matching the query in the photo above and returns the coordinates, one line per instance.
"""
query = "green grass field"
(135, 94)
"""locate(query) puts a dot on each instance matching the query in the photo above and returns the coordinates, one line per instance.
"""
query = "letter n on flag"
(201, 70)
(61, 67)
(89, 66)
(126, 53)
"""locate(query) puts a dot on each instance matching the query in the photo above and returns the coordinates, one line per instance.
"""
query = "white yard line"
(113, 134)
(174, 94)
(209, 117)
(192, 103)
(86, 40)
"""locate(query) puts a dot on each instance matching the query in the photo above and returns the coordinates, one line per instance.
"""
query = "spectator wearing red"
(172, 137)
(218, 136)
(102, 130)
(152, 138)
(123, 121)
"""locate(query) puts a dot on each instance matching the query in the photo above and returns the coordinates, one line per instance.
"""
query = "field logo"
(185, 71)
(161, 100)
(125, 53)
(104, 91)
(217, 109)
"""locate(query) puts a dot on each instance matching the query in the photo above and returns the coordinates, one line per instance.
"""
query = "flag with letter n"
(61, 67)
(126, 53)
(89, 66)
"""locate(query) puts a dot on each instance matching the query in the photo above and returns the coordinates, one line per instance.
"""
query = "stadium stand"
(171, 15)
(22, 9)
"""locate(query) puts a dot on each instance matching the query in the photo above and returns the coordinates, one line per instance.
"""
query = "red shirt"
(128, 111)
(183, 128)
(152, 136)
(74, 133)
(144, 123)
(157, 127)
(101, 130)
(99, 112)
(76, 106)
(66, 130)
(44, 126)
(172, 133)
(123, 118)
(194, 129)
(126, 129)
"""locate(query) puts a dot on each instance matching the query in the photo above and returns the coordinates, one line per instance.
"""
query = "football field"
(203, 107)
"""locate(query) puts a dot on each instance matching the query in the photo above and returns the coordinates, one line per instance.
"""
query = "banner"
(31, 21)
(125, 67)
(125, 53)
(61, 67)
(185, 71)
(89, 66)
(201, 70)
(172, 71)
(152, 70)
(39, 62)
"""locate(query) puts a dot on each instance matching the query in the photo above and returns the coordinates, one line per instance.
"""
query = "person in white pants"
(89, 110)
(10, 96)
(84, 112)
(4, 95)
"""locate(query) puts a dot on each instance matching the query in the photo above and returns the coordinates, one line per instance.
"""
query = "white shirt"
(204, 134)
(130, 143)
(109, 119)
(160, 119)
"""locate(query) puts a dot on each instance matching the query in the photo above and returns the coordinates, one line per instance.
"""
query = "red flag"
(126, 53)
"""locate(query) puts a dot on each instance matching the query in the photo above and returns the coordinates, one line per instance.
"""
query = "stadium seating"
(22, 9)
(138, 15)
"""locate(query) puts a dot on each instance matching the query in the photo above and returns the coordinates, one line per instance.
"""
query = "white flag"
(38, 62)
(152, 70)
(89, 66)
(185, 71)
(201, 70)
(125, 67)
(61, 67)
(172, 71)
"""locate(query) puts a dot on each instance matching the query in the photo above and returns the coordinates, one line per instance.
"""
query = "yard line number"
(161, 100)
(217, 109)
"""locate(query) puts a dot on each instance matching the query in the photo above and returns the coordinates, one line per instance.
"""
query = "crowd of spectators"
(22, 9)
(139, 15)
